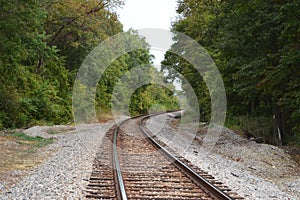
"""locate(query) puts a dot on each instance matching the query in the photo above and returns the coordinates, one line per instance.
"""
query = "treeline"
(43, 44)
(256, 46)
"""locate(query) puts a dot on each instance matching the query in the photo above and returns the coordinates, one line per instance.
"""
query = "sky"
(139, 14)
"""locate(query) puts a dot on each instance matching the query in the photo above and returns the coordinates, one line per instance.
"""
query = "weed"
(36, 142)
(53, 132)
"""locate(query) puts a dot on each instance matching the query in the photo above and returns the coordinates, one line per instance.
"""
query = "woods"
(256, 46)
(43, 44)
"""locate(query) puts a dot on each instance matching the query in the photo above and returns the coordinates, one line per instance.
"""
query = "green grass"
(36, 142)
(53, 132)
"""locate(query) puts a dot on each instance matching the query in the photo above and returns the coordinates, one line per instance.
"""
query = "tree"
(195, 20)
(127, 84)
(255, 44)
(23, 41)
(76, 26)
(255, 51)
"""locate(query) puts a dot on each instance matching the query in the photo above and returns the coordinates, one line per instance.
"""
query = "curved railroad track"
(130, 164)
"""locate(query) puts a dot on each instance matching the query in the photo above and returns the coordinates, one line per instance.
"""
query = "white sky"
(139, 14)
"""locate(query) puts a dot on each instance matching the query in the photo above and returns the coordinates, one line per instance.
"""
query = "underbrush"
(34, 142)
(250, 126)
(104, 117)
(260, 127)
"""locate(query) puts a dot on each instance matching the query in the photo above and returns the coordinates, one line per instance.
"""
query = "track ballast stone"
(65, 174)
(254, 171)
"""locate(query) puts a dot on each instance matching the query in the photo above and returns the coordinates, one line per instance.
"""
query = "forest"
(255, 45)
(43, 46)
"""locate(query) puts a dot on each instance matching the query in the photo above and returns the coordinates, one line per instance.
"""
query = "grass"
(51, 132)
(104, 117)
(35, 142)
(20, 152)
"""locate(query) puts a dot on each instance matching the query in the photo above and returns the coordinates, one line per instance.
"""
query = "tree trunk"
(278, 127)
(39, 65)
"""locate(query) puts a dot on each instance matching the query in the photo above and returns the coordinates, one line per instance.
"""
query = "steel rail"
(120, 181)
(119, 177)
(203, 182)
(206, 185)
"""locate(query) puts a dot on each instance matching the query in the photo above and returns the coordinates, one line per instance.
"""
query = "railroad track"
(130, 164)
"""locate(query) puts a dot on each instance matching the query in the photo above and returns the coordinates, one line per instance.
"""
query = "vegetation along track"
(131, 165)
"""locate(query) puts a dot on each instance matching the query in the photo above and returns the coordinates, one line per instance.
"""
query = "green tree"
(23, 41)
(35, 85)
(255, 44)
(76, 26)
(256, 51)
(117, 85)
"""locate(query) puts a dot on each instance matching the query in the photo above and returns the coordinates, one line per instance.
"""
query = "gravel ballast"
(254, 171)
(65, 174)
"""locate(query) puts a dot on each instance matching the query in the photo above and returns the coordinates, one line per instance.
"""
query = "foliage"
(117, 84)
(41, 42)
(75, 27)
(152, 98)
(23, 42)
(255, 45)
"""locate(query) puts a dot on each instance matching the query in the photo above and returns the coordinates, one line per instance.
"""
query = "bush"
(258, 126)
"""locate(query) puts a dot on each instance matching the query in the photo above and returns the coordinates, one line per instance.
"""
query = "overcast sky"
(138, 14)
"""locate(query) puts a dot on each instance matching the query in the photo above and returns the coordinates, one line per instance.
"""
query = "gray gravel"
(254, 171)
(64, 175)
